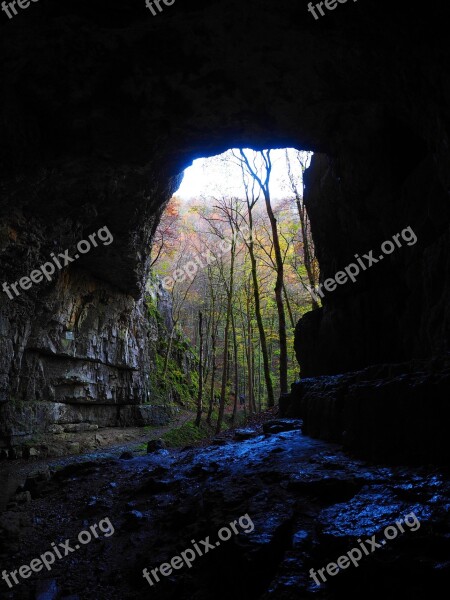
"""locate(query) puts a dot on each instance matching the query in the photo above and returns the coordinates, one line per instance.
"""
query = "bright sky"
(207, 176)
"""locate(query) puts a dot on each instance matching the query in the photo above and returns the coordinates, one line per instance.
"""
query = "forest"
(238, 264)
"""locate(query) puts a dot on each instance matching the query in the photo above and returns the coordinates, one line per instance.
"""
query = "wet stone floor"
(296, 503)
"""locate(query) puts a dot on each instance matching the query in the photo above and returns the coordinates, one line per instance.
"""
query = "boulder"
(30, 452)
(155, 445)
(126, 455)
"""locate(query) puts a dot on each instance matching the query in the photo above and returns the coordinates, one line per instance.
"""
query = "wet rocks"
(154, 485)
(244, 434)
(133, 519)
(301, 538)
(12, 526)
(155, 445)
(203, 471)
(307, 504)
(80, 469)
(389, 413)
(38, 482)
(219, 441)
(330, 489)
(126, 455)
(46, 589)
(279, 425)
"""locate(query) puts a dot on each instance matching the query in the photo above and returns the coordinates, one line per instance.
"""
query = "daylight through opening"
(234, 257)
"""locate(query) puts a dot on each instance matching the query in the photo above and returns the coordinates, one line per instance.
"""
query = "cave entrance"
(232, 264)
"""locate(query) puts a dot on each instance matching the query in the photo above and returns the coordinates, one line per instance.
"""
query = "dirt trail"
(14, 473)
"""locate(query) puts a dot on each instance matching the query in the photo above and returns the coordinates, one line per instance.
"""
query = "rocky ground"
(114, 442)
(308, 504)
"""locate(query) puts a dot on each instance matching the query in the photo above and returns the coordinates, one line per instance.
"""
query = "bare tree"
(223, 222)
(261, 174)
(252, 196)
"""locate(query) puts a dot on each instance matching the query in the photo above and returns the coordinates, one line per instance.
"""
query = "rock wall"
(386, 413)
(398, 308)
(81, 361)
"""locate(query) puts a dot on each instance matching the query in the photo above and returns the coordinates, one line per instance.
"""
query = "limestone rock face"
(385, 413)
(398, 308)
(98, 376)
(104, 105)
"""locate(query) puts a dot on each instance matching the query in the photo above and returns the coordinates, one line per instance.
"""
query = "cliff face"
(82, 361)
(398, 307)
(103, 106)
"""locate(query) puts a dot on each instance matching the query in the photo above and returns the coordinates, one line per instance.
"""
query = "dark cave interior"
(103, 106)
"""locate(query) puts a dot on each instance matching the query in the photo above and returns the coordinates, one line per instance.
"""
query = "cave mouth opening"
(234, 253)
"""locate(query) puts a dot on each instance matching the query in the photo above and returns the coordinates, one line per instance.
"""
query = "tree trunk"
(236, 369)
(258, 315)
(288, 304)
(251, 392)
(214, 330)
(200, 371)
(279, 296)
(213, 377)
(253, 374)
(259, 380)
(245, 375)
(223, 390)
